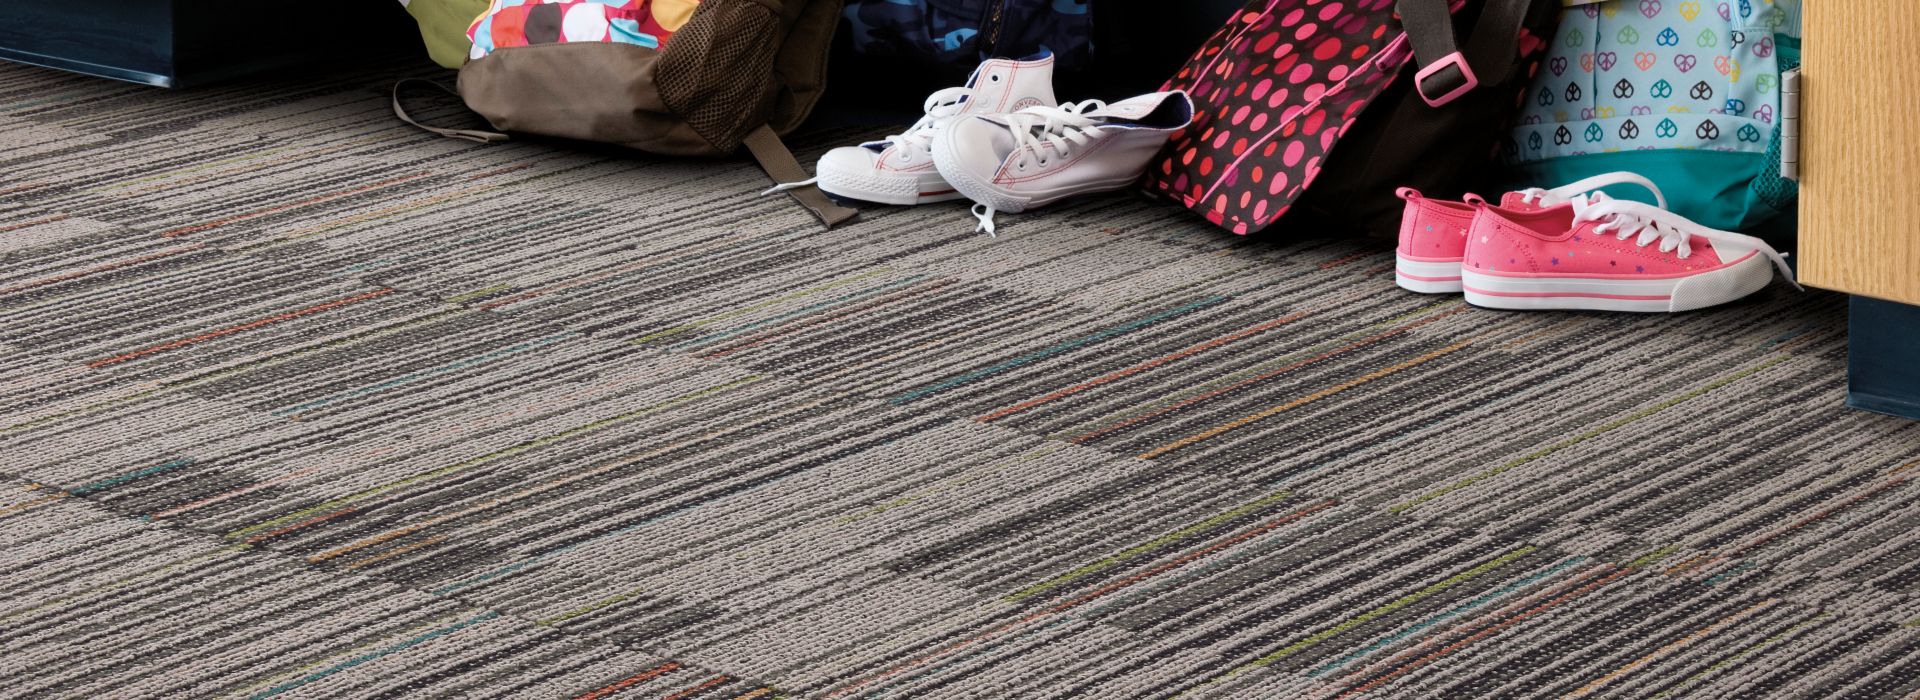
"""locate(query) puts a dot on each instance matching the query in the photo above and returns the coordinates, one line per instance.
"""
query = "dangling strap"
(779, 163)
(1490, 53)
(468, 134)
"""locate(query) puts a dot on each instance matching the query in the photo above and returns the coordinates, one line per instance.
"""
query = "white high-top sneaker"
(1012, 162)
(899, 169)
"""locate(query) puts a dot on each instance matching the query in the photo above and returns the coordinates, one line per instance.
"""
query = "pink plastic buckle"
(1469, 80)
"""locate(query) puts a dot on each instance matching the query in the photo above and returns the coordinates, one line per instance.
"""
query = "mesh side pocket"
(718, 72)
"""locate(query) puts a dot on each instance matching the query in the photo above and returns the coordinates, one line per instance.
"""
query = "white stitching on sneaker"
(943, 103)
(1064, 126)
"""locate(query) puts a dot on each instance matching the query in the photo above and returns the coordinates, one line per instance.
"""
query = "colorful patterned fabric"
(443, 27)
(509, 23)
(965, 32)
(1645, 75)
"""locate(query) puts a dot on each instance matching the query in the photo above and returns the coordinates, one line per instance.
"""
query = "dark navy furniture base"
(174, 43)
(1883, 357)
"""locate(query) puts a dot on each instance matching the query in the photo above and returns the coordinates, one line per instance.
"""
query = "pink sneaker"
(1433, 239)
(1597, 252)
(1433, 232)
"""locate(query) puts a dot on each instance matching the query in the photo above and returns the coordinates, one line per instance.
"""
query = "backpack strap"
(765, 146)
(1446, 71)
(468, 134)
(780, 164)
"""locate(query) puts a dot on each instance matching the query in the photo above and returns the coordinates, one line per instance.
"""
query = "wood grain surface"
(1860, 126)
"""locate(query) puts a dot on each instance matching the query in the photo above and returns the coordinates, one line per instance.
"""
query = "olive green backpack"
(732, 73)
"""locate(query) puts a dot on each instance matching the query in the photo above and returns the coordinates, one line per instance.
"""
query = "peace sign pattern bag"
(1685, 92)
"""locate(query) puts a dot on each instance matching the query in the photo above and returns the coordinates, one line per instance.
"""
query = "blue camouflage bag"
(965, 32)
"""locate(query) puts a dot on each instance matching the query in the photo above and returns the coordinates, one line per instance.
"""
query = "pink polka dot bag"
(1322, 108)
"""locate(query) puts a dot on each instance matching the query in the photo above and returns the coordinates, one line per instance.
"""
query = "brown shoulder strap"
(779, 163)
(801, 65)
(468, 134)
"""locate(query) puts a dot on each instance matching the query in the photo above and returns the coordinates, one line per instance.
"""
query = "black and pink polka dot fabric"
(1273, 91)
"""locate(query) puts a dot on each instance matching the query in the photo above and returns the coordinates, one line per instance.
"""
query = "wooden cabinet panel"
(1860, 148)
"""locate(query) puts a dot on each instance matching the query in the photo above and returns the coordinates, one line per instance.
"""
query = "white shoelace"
(984, 212)
(1566, 193)
(1065, 126)
(943, 103)
(1646, 224)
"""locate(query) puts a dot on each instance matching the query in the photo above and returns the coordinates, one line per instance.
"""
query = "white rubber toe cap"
(849, 160)
(853, 172)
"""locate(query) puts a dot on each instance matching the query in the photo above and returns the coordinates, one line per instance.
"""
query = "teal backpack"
(1685, 92)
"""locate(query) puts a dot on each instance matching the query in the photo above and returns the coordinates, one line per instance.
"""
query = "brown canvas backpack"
(736, 73)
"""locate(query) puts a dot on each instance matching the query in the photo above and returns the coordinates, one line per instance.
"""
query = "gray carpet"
(297, 401)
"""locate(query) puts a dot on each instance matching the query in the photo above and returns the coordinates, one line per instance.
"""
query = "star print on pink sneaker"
(1433, 239)
(1433, 232)
(1600, 253)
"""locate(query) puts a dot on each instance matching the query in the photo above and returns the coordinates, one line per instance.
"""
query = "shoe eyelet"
(995, 77)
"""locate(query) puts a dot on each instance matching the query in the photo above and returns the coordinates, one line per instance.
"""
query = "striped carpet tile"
(100, 604)
(296, 401)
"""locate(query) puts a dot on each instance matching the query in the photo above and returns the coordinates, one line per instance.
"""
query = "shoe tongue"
(920, 137)
(1154, 110)
(1130, 109)
(1518, 202)
(1037, 125)
(919, 134)
(1000, 143)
